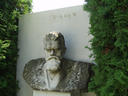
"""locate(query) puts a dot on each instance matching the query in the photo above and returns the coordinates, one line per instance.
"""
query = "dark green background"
(10, 10)
(109, 26)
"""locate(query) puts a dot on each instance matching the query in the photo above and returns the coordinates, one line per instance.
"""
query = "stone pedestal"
(50, 93)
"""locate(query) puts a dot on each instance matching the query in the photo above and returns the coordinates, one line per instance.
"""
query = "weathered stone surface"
(74, 75)
(55, 72)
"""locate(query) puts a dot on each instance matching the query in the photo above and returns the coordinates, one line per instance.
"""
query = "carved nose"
(52, 52)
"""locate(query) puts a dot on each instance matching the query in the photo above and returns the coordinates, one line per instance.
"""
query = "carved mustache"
(53, 57)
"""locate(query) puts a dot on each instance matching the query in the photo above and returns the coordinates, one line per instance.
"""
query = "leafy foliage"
(10, 10)
(109, 27)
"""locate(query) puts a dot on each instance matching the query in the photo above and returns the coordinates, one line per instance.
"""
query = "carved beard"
(52, 73)
(52, 64)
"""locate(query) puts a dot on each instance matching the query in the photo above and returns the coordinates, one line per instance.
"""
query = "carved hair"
(56, 36)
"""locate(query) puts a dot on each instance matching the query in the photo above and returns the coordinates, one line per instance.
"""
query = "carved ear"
(63, 51)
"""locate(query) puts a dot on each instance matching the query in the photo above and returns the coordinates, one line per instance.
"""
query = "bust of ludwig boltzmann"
(55, 72)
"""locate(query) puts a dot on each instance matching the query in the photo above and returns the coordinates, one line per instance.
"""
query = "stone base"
(50, 93)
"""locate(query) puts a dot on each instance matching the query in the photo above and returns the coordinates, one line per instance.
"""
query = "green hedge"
(109, 27)
(10, 10)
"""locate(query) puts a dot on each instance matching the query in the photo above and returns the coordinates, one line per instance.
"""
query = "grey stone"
(55, 72)
(74, 75)
(50, 93)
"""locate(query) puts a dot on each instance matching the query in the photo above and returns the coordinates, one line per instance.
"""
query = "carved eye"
(49, 50)
(55, 50)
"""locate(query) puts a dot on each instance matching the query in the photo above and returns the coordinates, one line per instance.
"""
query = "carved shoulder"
(70, 65)
(76, 75)
(31, 68)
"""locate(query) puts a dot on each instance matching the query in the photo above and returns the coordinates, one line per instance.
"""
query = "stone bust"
(55, 72)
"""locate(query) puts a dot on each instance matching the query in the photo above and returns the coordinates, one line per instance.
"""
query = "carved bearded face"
(54, 45)
(53, 54)
(52, 50)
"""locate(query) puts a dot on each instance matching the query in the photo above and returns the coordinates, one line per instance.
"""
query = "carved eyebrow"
(53, 49)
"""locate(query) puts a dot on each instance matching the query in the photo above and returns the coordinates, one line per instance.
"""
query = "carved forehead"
(54, 40)
(52, 45)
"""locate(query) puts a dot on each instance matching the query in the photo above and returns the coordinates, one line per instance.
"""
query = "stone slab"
(72, 22)
(50, 93)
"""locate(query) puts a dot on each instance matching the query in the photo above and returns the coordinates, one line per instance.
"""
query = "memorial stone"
(55, 73)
